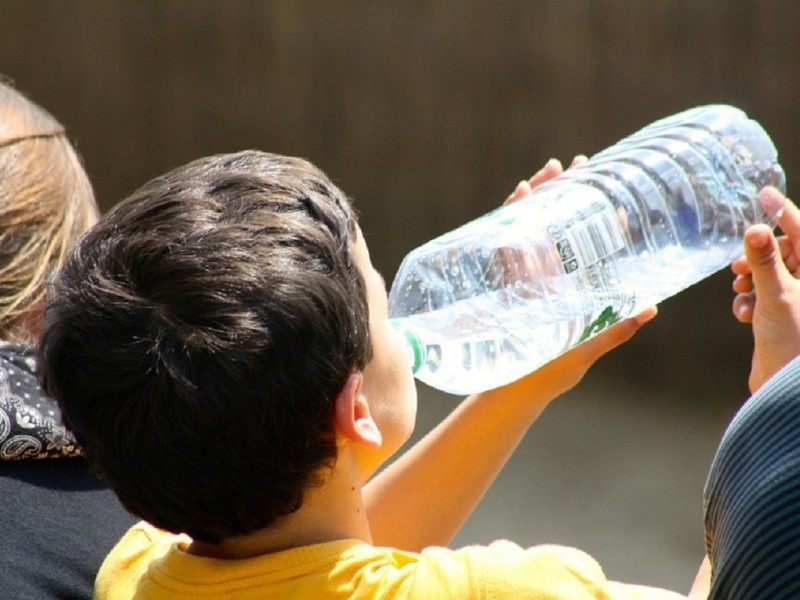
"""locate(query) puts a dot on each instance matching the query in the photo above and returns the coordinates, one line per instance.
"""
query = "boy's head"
(198, 336)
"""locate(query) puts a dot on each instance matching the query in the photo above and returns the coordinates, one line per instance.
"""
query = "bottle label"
(606, 318)
(586, 243)
(588, 237)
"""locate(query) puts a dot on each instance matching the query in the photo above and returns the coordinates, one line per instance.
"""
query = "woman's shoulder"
(30, 422)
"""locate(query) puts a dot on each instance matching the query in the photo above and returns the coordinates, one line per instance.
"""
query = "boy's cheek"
(401, 351)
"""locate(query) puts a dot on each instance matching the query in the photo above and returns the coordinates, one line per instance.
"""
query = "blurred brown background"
(427, 114)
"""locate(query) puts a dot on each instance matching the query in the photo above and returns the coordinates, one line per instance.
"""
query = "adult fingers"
(743, 284)
(743, 307)
(782, 210)
(765, 261)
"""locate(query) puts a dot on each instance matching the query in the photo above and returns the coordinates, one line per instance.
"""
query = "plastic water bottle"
(662, 209)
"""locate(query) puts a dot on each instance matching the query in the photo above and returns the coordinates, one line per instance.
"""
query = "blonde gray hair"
(46, 203)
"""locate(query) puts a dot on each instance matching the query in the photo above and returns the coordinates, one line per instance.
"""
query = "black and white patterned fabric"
(58, 520)
(30, 423)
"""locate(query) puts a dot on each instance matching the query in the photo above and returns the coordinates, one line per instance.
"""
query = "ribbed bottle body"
(660, 210)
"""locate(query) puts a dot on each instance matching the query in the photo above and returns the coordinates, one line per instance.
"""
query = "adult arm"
(752, 487)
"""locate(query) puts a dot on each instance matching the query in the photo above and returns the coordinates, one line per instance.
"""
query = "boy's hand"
(422, 498)
(551, 169)
(767, 288)
(565, 371)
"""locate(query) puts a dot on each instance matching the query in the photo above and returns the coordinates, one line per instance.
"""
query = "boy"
(221, 348)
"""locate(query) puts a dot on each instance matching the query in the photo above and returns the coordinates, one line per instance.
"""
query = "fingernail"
(554, 162)
(759, 239)
(646, 315)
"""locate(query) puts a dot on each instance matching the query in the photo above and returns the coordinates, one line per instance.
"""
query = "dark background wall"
(427, 113)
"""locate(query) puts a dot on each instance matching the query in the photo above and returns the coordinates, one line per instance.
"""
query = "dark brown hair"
(197, 335)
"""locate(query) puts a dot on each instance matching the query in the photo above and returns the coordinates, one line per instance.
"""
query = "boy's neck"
(332, 511)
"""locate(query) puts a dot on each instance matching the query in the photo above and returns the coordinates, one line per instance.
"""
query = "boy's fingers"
(552, 168)
(646, 315)
(619, 332)
(578, 160)
(765, 260)
(523, 189)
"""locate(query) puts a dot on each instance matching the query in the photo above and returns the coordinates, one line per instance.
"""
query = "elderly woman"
(58, 521)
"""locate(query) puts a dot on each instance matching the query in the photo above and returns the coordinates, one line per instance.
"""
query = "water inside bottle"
(641, 221)
(468, 345)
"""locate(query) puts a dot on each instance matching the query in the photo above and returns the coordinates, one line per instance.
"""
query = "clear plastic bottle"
(660, 210)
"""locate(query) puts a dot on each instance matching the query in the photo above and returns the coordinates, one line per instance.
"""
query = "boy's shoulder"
(149, 563)
(128, 562)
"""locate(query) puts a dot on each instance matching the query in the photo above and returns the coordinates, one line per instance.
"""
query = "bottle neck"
(416, 351)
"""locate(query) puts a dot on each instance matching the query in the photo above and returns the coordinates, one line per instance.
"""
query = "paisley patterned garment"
(30, 423)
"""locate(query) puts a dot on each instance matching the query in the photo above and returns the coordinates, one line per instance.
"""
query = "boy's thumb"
(764, 259)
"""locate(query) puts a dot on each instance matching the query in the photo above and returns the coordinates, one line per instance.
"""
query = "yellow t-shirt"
(149, 564)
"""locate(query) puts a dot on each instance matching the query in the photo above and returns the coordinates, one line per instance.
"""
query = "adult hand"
(767, 288)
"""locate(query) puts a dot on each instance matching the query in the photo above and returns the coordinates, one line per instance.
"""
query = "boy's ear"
(351, 414)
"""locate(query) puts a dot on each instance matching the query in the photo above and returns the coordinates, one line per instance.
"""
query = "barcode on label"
(595, 236)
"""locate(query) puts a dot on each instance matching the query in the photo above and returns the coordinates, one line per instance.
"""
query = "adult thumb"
(763, 256)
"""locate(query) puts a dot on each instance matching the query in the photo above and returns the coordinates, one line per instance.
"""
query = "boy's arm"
(702, 582)
(425, 496)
